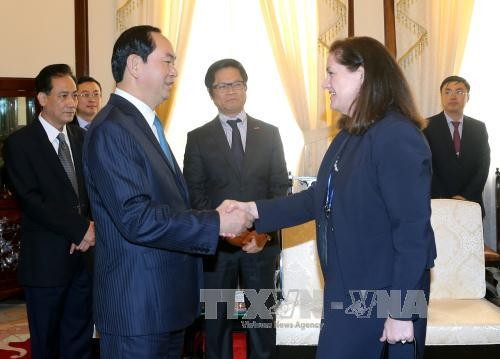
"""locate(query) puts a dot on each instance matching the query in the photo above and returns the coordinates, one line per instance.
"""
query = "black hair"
(43, 81)
(134, 41)
(222, 64)
(84, 79)
(454, 79)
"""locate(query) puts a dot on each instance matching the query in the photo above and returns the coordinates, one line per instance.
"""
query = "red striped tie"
(456, 137)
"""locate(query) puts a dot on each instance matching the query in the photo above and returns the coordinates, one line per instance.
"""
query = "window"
(222, 29)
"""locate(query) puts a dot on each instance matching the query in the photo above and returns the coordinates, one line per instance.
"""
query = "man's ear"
(133, 65)
(42, 98)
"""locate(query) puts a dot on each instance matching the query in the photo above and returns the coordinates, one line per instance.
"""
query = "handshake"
(236, 217)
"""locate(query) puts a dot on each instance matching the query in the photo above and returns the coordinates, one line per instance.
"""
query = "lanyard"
(334, 169)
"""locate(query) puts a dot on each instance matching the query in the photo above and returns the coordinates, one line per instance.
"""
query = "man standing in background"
(44, 165)
(89, 101)
(459, 146)
(236, 156)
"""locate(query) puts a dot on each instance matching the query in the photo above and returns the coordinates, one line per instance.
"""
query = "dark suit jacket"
(147, 279)
(465, 175)
(380, 220)
(212, 175)
(51, 221)
(75, 121)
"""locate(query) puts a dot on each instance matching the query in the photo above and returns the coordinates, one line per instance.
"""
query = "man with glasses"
(239, 157)
(89, 101)
(459, 146)
(44, 165)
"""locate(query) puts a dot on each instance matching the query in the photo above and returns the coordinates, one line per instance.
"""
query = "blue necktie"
(163, 142)
(236, 143)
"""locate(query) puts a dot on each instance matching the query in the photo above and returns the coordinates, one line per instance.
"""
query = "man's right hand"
(87, 241)
(233, 221)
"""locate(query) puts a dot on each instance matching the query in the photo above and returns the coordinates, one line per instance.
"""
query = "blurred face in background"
(454, 96)
(89, 100)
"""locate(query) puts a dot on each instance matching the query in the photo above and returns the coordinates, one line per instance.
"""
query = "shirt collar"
(146, 111)
(242, 116)
(82, 122)
(450, 120)
(51, 131)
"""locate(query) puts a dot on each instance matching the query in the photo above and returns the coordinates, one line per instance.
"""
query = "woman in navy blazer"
(371, 203)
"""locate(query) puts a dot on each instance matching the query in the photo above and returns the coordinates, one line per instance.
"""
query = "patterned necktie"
(236, 143)
(163, 142)
(456, 137)
(67, 163)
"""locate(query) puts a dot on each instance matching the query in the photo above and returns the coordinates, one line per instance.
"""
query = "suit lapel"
(253, 143)
(444, 129)
(46, 150)
(76, 143)
(467, 135)
(135, 120)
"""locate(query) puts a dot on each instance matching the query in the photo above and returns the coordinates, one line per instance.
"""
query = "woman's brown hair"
(384, 86)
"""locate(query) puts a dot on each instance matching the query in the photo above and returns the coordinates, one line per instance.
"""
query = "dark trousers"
(158, 346)
(60, 319)
(254, 271)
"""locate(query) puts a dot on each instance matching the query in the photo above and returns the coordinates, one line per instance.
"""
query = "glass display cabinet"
(17, 108)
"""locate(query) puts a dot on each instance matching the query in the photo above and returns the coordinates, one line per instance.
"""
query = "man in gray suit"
(236, 156)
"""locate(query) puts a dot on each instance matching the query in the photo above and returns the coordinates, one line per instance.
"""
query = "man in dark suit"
(89, 101)
(459, 146)
(148, 269)
(236, 156)
(44, 164)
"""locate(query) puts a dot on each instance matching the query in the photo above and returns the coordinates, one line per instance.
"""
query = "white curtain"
(139, 12)
(293, 30)
(477, 69)
(173, 17)
(431, 38)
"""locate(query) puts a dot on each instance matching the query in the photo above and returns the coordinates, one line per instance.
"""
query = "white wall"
(34, 34)
(102, 35)
(38, 33)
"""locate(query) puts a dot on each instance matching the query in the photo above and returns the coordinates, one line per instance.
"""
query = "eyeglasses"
(89, 94)
(224, 86)
(458, 92)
